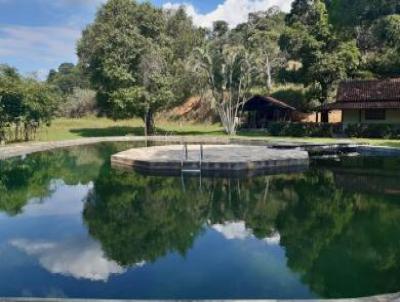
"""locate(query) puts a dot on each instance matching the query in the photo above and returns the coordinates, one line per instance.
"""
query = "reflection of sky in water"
(76, 257)
(103, 233)
(238, 230)
(46, 251)
(71, 253)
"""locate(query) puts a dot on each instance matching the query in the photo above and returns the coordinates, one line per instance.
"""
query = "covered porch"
(260, 110)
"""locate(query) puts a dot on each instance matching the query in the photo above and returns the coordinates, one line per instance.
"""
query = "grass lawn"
(63, 129)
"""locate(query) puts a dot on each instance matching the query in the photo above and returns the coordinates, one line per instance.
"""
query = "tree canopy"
(134, 54)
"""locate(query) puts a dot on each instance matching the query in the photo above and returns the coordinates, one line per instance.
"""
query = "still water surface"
(71, 226)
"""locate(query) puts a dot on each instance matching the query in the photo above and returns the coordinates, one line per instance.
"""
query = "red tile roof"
(362, 105)
(369, 90)
(367, 94)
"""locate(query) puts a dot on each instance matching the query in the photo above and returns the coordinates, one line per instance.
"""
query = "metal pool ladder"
(191, 167)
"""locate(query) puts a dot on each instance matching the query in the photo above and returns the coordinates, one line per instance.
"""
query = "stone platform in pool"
(216, 160)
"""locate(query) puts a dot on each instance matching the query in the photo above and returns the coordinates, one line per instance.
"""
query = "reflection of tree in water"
(342, 244)
(24, 179)
(318, 213)
(139, 218)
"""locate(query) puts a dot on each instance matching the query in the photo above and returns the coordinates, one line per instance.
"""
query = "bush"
(80, 103)
(303, 129)
(387, 131)
(373, 130)
(25, 105)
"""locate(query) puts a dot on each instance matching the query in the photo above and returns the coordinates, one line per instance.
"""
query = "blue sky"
(37, 35)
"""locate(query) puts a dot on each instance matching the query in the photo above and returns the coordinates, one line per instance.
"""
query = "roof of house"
(259, 101)
(367, 94)
(369, 90)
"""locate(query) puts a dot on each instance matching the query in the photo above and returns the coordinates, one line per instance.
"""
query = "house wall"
(351, 116)
(335, 116)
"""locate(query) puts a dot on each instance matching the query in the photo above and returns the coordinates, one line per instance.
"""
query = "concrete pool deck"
(380, 298)
(222, 159)
(18, 149)
(21, 149)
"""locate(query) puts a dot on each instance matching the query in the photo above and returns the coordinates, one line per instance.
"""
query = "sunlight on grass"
(63, 129)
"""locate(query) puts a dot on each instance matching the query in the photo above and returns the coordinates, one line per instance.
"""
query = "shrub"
(303, 129)
(373, 130)
(25, 105)
(388, 131)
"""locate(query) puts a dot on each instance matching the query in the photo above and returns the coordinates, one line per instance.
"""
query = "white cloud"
(233, 230)
(48, 44)
(238, 231)
(81, 258)
(232, 11)
(66, 200)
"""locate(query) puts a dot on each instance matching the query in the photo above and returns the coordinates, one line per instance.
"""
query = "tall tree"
(124, 38)
(310, 39)
(264, 30)
(111, 49)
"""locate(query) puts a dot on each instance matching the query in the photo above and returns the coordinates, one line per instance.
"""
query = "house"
(367, 102)
(260, 110)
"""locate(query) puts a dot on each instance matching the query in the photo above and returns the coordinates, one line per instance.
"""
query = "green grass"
(63, 129)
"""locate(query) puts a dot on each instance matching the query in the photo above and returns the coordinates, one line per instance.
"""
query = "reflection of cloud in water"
(238, 230)
(81, 258)
(275, 239)
(68, 200)
(233, 230)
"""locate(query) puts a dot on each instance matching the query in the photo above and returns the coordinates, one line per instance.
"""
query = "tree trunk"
(149, 123)
(269, 75)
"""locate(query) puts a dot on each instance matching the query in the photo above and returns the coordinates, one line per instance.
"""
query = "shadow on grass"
(136, 131)
(109, 131)
(252, 133)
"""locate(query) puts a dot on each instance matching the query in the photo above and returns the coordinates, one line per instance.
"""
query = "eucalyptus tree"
(263, 33)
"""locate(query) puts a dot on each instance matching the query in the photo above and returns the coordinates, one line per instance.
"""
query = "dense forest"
(136, 60)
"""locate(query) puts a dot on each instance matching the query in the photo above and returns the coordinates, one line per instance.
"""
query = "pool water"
(72, 226)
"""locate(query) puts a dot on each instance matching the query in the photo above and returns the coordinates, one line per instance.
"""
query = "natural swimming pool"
(71, 226)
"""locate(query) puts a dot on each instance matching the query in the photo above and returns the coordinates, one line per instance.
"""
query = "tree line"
(136, 59)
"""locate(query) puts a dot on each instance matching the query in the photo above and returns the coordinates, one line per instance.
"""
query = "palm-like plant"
(229, 71)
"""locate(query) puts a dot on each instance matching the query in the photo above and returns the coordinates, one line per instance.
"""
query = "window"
(375, 114)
